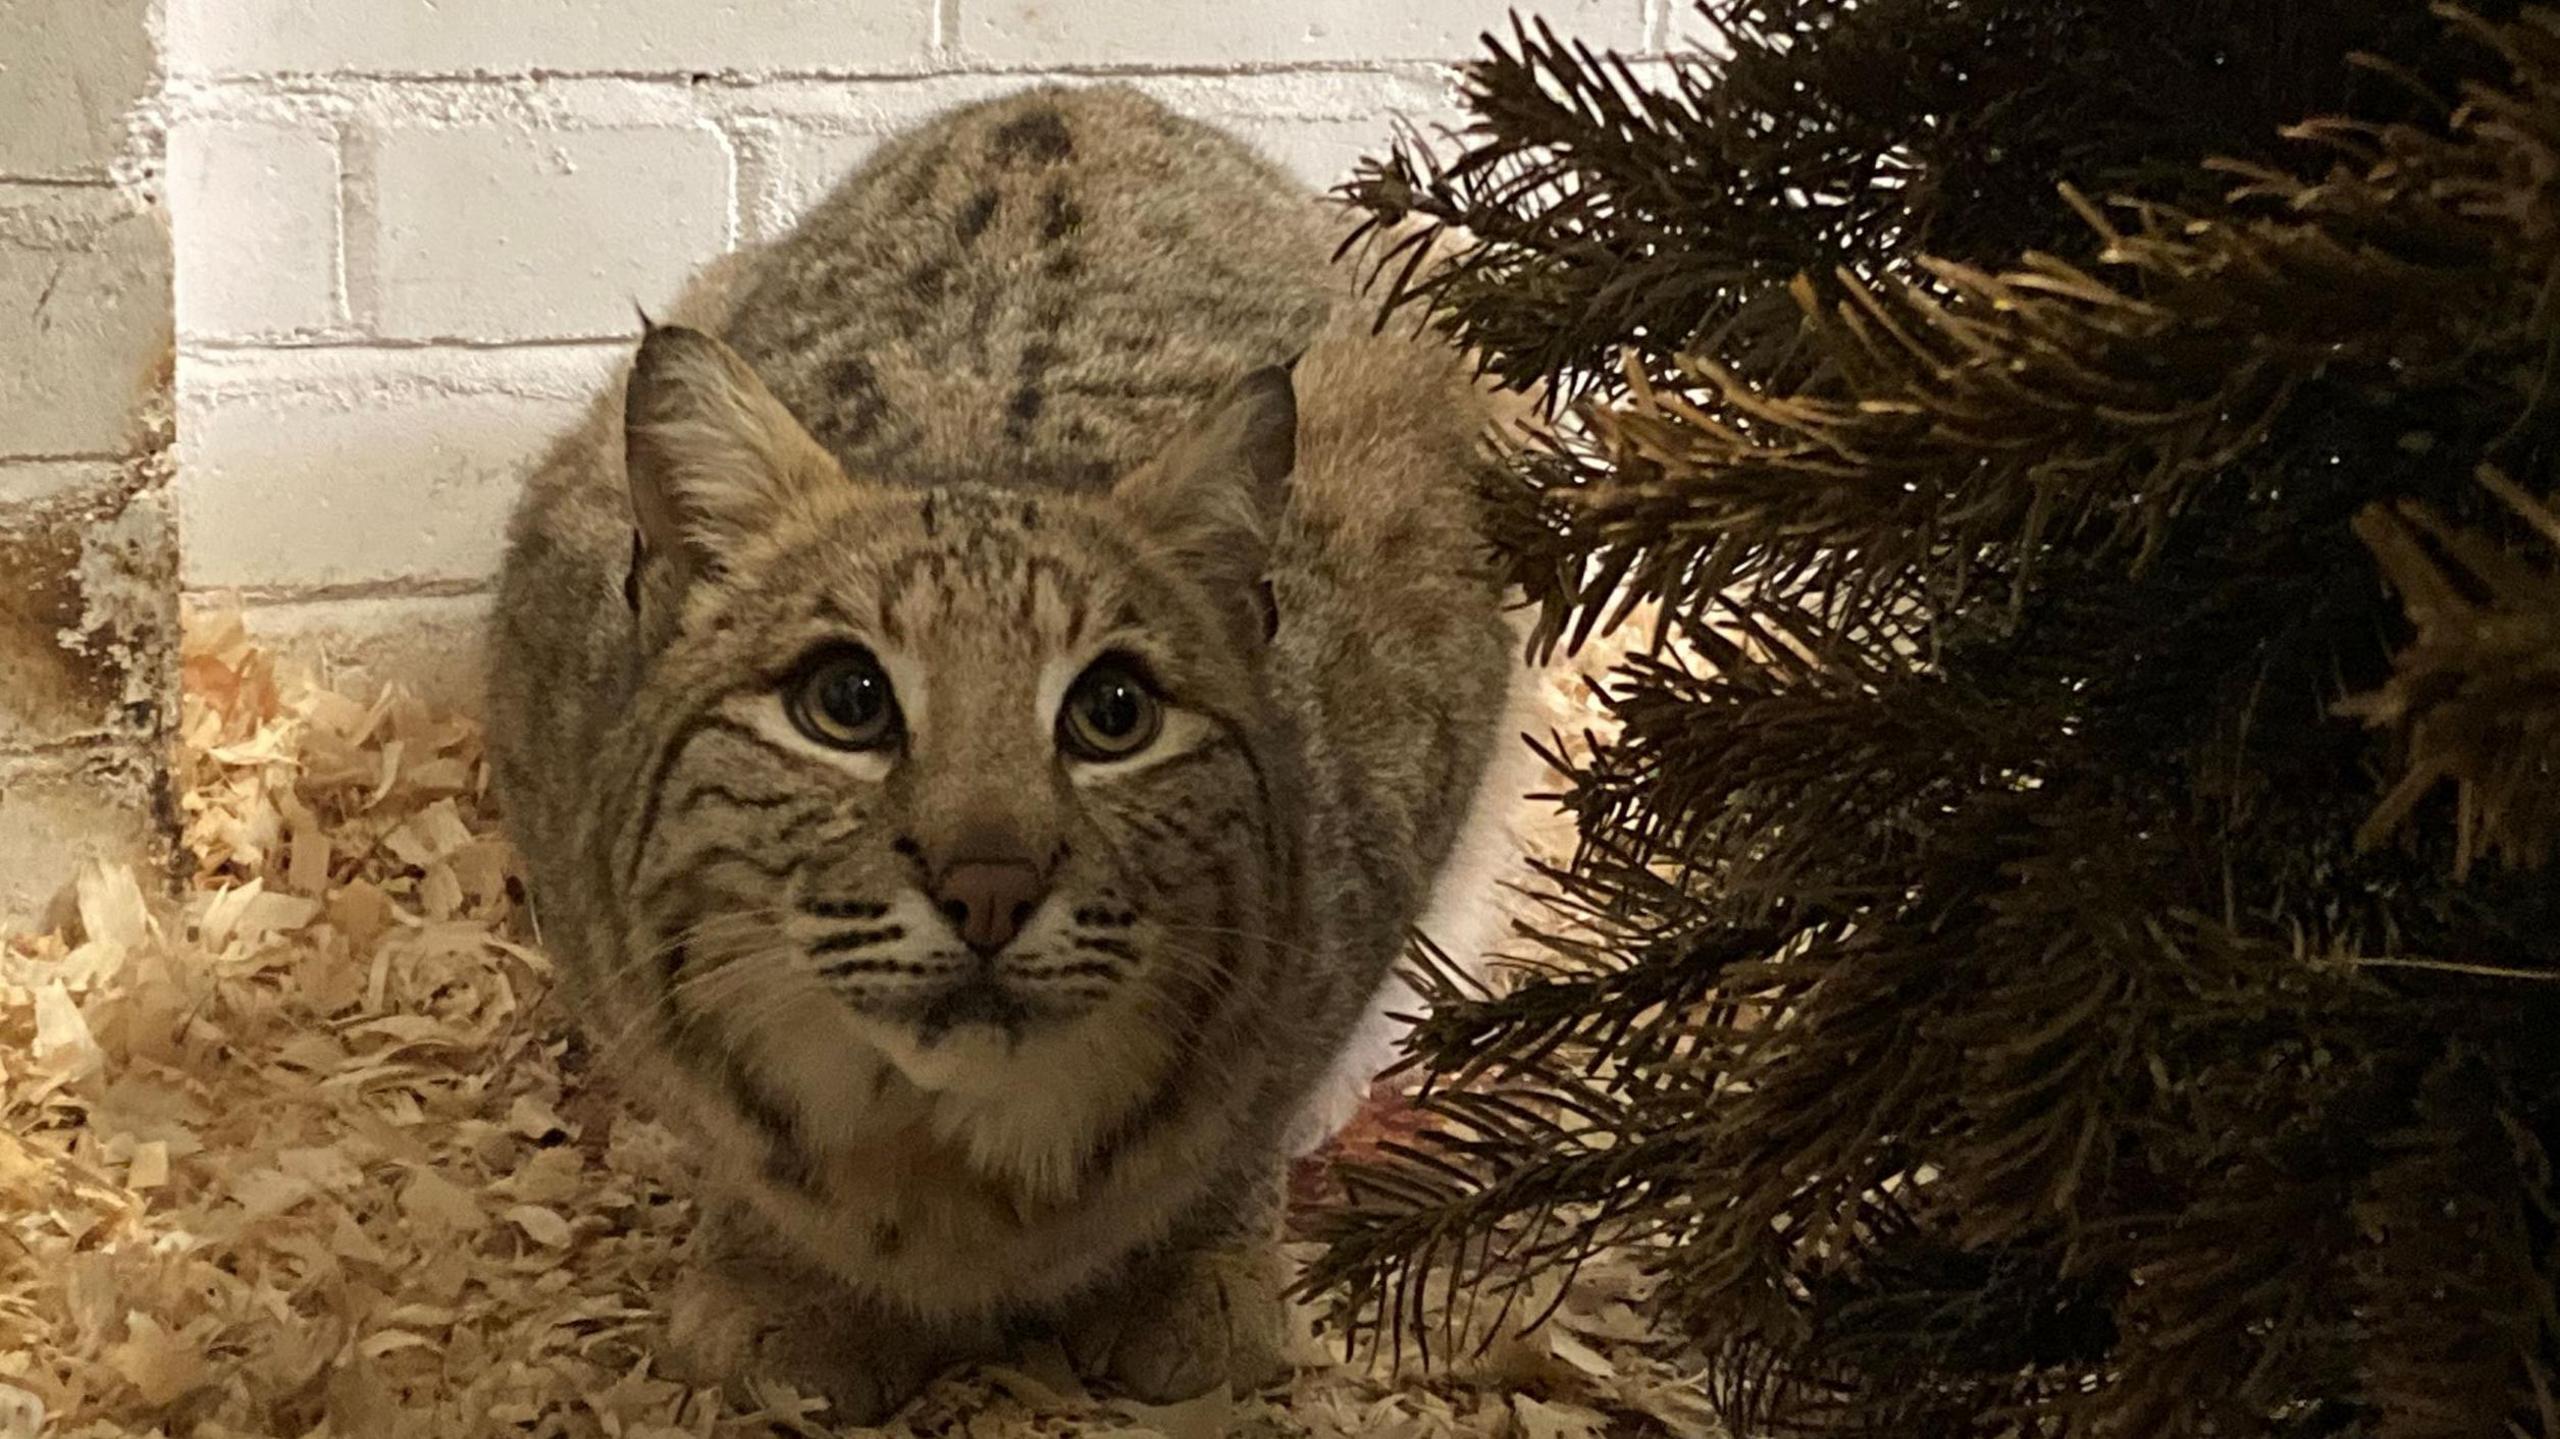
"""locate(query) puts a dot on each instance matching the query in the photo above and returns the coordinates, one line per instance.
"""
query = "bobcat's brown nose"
(989, 901)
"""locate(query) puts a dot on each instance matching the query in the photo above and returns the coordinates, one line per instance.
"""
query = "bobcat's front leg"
(1191, 1319)
(747, 1311)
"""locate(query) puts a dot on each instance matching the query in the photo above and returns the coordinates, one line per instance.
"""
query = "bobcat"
(982, 708)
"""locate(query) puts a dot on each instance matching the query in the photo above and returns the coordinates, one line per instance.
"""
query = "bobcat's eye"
(842, 699)
(1109, 714)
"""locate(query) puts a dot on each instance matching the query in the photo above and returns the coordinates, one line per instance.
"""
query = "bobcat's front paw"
(729, 1335)
(1205, 1320)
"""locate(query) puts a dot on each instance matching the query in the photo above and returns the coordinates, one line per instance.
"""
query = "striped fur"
(965, 416)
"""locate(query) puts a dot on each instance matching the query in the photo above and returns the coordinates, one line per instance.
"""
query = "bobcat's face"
(970, 767)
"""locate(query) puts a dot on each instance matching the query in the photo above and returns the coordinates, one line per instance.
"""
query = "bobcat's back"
(1034, 292)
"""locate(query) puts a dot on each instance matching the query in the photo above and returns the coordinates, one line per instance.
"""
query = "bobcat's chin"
(988, 1042)
(982, 1002)
(973, 1058)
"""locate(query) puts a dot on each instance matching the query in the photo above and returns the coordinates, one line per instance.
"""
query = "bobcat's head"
(953, 770)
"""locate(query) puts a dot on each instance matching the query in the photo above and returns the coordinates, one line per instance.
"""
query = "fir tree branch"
(1958, 981)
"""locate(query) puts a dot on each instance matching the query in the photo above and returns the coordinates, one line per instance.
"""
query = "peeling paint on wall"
(88, 614)
(88, 542)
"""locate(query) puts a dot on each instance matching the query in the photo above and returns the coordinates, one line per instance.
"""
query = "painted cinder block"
(492, 232)
(70, 72)
(90, 301)
(519, 37)
(1219, 32)
(259, 208)
(304, 470)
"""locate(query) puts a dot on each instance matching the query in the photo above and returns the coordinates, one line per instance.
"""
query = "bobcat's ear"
(1213, 497)
(713, 458)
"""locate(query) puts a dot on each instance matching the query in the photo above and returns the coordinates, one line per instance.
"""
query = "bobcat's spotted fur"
(982, 709)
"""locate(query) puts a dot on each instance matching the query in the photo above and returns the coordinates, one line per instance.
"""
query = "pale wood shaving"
(309, 1152)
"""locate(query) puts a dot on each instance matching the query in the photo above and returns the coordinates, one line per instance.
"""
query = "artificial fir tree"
(2063, 939)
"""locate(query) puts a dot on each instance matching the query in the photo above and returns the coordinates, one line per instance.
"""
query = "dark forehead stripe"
(975, 512)
(978, 539)
(1070, 586)
(899, 575)
(1036, 137)
(826, 609)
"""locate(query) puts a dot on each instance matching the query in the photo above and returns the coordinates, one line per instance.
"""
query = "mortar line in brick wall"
(85, 750)
(71, 457)
(753, 174)
(342, 295)
(849, 107)
(359, 193)
(741, 204)
(283, 84)
(125, 483)
(59, 182)
(209, 347)
(945, 41)
(255, 597)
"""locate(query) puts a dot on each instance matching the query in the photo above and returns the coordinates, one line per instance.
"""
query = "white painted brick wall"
(336, 467)
(1140, 32)
(410, 233)
(517, 37)
(490, 232)
(262, 252)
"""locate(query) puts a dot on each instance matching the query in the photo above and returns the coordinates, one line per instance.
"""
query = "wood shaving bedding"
(310, 1151)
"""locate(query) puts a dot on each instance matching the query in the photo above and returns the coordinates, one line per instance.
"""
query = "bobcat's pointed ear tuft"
(1213, 497)
(713, 458)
